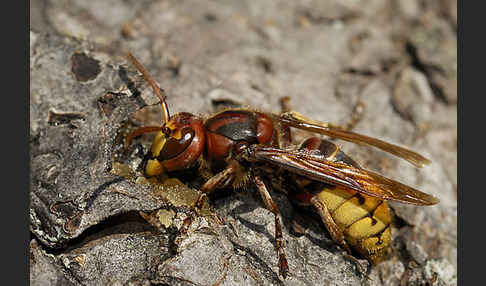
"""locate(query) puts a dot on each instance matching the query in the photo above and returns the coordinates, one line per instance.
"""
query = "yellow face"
(153, 167)
(177, 146)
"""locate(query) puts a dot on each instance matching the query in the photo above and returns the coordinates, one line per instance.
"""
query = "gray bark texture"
(95, 221)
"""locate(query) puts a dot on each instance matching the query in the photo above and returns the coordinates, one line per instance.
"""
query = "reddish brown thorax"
(226, 134)
(231, 131)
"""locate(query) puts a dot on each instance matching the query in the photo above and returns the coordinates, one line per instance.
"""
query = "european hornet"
(240, 146)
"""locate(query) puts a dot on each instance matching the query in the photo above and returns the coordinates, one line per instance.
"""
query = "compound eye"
(176, 144)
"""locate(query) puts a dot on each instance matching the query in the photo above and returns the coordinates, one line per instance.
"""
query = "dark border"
(15, 121)
(23, 162)
(461, 186)
(469, 196)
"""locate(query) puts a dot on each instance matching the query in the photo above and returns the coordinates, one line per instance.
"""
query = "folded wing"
(338, 173)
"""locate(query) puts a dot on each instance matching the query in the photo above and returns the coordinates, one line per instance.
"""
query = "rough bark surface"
(89, 215)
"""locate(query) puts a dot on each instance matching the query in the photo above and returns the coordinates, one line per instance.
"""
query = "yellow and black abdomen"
(365, 221)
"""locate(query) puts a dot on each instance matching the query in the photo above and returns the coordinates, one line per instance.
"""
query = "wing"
(296, 120)
(338, 173)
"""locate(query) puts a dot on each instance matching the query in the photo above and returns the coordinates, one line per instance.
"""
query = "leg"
(285, 104)
(219, 180)
(270, 204)
(356, 116)
(336, 234)
(284, 133)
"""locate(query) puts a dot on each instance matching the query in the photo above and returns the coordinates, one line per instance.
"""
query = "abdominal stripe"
(369, 214)
(378, 235)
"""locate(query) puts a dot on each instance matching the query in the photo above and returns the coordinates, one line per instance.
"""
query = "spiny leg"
(270, 205)
(219, 180)
(222, 178)
(336, 234)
